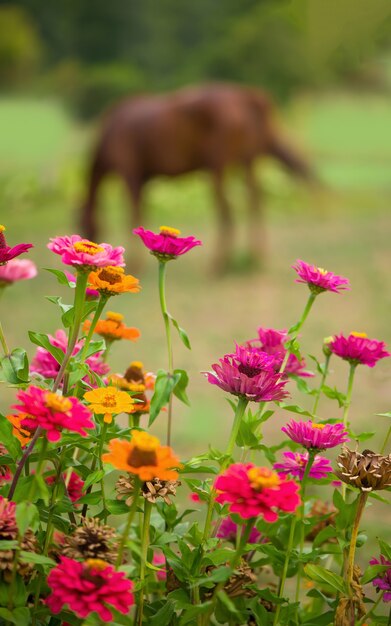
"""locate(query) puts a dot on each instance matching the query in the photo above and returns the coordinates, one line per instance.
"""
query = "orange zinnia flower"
(136, 380)
(108, 401)
(111, 281)
(19, 431)
(144, 456)
(113, 328)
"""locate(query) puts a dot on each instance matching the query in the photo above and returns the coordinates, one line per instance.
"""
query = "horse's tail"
(281, 150)
(97, 171)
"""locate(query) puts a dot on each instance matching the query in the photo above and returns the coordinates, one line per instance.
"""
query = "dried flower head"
(151, 489)
(366, 471)
(91, 540)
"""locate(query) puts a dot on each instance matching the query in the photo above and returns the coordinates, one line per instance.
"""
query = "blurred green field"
(345, 229)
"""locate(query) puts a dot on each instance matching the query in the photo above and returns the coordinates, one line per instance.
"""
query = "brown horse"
(208, 128)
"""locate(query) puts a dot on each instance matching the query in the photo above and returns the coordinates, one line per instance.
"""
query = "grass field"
(346, 229)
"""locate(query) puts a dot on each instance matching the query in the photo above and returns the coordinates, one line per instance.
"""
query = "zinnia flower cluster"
(53, 413)
(46, 365)
(383, 581)
(16, 270)
(248, 374)
(316, 436)
(319, 279)
(296, 463)
(84, 254)
(87, 587)
(252, 491)
(6, 252)
(358, 349)
(271, 341)
(167, 244)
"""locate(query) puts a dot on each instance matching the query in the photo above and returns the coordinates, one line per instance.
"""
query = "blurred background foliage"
(93, 53)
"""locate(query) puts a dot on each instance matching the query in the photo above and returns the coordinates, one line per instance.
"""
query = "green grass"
(345, 229)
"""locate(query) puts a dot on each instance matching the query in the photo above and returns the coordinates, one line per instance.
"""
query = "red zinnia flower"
(253, 491)
(319, 279)
(88, 587)
(166, 244)
(358, 349)
(53, 412)
(7, 253)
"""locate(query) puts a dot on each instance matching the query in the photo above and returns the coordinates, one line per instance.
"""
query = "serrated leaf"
(181, 386)
(16, 367)
(39, 339)
(322, 575)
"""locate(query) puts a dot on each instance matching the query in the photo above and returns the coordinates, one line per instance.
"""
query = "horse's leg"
(88, 221)
(134, 187)
(256, 230)
(225, 237)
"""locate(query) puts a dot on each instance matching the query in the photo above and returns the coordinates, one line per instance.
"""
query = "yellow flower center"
(144, 450)
(261, 477)
(88, 247)
(111, 274)
(114, 317)
(57, 403)
(137, 365)
(2, 228)
(109, 400)
(319, 426)
(299, 460)
(98, 564)
(322, 271)
(361, 335)
(167, 230)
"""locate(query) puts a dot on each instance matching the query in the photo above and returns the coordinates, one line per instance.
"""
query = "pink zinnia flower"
(91, 294)
(75, 485)
(158, 560)
(318, 279)
(295, 464)
(358, 349)
(7, 253)
(194, 497)
(317, 436)
(88, 587)
(86, 254)
(271, 341)
(53, 412)
(252, 491)
(228, 531)
(46, 365)
(249, 375)
(166, 244)
(15, 270)
(383, 581)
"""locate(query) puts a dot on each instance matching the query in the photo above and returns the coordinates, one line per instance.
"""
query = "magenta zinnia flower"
(46, 365)
(295, 464)
(85, 254)
(317, 436)
(358, 349)
(74, 487)
(7, 253)
(228, 531)
(248, 374)
(166, 245)
(383, 581)
(318, 279)
(252, 491)
(15, 270)
(271, 341)
(87, 587)
(53, 412)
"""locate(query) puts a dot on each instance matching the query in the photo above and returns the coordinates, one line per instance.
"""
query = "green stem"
(101, 305)
(362, 499)
(372, 610)
(304, 482)
(132, 512)
(298, 326)
(349, 394)
(41, 459)
(384, 446)
(102, 482)
(167, 325)
(240, 410)
(285, 568)
(3, 341)
(144, 553)
(85, 507)
(322, 381)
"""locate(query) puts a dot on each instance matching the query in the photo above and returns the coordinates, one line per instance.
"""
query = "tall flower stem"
(23, 461)
(297, 327)
(385, 443)
(362, 499)
(373, 608)
(38, 470)
(348, 400)
(167, 325)
(322, 381)
(98, 312)
(131, 514)
(102, 482)
(304, 482)
(144, 553)
(240, 410)
(3, 341)
(285, 568)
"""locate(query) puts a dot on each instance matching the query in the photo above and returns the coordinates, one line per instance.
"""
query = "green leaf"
(164, 385)
(385, 549)
(7, 438)
(94, 347)
(384, 414)
(8, 544)
(181, 386)
(322, 575)
(181, 331)
(27, 516)
(39, 339)
(293, 408)
(193, 611)
(334, 394)
(61, 277)
(164, 615)
(372, 571)
(16, 367)
(66, 309)
(39, 559)
(93, 478)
